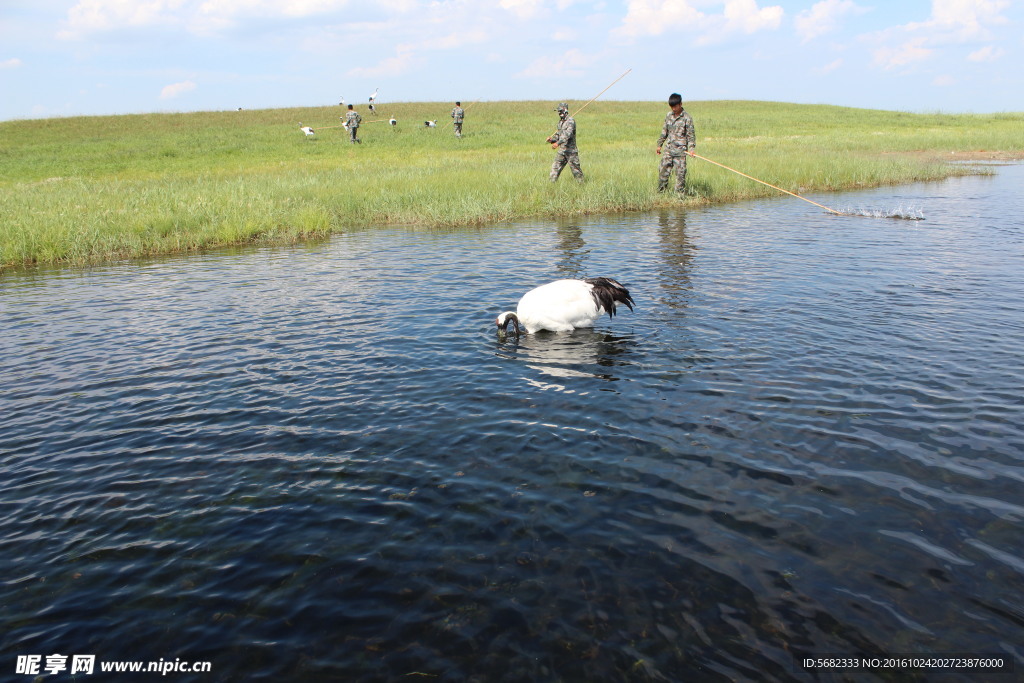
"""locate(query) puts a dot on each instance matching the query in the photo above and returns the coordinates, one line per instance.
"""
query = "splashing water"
(907, 214)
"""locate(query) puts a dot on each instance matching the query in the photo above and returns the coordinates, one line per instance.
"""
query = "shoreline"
(986, 157)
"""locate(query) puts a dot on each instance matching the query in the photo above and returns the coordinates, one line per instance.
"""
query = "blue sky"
(132, 56)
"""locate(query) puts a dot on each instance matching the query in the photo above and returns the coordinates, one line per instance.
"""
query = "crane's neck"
(513, 319)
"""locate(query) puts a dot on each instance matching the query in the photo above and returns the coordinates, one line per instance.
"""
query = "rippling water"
(323, 463)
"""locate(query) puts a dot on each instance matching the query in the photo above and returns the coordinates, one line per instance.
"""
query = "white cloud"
(746, 17)
(823, 17)
(563, 35)
(952, 22)
(453, 41)
(966, 18)
(572, 64)
(232, 10)
(90, 16)
(902, 55)
(12, 63)
(524, 9)
(944, 81)
(401, 63)
(408, 55)
(988, 53)
(829, 68)
(171, 91)
(655, 17)
(198, 16)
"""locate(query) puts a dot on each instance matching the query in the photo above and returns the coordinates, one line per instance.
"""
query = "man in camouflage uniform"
(565, 142)
(679, 138)
(457, 115)
(352, 121)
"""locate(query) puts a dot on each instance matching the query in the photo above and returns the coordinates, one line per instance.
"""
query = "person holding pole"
(457, 115)
(679, 139)
(352, 121)
(564, 140)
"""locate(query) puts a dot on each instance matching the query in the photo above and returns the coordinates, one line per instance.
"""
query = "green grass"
(91, 189)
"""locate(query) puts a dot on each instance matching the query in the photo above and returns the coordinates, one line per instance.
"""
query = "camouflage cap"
(562, 106)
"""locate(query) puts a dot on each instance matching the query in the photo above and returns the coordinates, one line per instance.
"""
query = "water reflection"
(582, 353)
(677, 252)
(572, 250)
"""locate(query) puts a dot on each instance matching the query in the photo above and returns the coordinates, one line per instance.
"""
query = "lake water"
(322, 463)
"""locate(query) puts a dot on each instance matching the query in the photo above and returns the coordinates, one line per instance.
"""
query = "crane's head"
(506, 318)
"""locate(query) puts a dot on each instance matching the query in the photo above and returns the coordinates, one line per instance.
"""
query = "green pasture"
(91, 189)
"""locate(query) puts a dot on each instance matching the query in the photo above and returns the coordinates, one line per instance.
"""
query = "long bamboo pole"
(774, 187)
(625, 73)
(344, 126)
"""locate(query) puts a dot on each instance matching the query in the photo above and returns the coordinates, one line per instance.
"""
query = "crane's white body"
(307, 130)
(565, 305)
(559, 306)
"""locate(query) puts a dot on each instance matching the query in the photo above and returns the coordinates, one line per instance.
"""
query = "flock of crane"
(310, 132)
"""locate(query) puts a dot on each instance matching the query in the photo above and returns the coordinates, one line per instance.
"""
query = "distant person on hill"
(565, 142)
(679, 139)
(457, 115)
(352, 121)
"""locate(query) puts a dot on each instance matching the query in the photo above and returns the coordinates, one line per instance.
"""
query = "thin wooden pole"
(838, 213)
(344, 126)
(602, 92)
(594, 98)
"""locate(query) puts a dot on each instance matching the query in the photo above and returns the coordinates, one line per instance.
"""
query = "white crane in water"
(565, 305)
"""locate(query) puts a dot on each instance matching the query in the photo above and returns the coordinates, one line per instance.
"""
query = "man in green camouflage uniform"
(352, 121)
(457, 115)
(565, 142)
(679, 139)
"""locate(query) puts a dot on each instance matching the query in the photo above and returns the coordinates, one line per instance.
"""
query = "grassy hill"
(90, 189)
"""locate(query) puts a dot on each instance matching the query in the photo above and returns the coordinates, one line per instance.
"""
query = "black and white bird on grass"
(307, 130)
(430, 124)
(565, 305)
